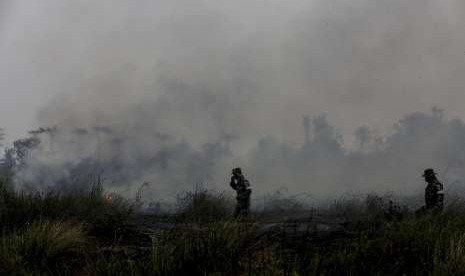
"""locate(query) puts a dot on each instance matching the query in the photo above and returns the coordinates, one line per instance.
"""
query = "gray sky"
(361, 61)
(24, 87)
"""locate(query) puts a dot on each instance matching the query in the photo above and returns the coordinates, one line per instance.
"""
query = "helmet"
(237, 171)
(429, 172)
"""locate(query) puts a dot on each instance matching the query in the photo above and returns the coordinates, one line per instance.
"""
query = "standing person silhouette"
(242, 187)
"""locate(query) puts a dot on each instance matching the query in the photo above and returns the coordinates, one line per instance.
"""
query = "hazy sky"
(188, 88)
(361, 61)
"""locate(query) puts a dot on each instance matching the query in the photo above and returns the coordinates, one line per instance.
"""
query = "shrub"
(204, 206)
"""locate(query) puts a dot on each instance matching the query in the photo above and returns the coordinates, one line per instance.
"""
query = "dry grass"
(82, 233)
(42, 247)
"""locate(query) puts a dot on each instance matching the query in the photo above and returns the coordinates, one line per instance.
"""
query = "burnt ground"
(320, 230)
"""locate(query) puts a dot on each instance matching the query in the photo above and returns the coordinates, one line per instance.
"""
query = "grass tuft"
(42, 247)
(202, 206)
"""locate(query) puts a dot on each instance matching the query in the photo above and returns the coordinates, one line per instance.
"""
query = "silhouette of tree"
(364, 138)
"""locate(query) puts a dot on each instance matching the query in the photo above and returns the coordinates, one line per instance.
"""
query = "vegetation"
(202, 205)
(87, 233)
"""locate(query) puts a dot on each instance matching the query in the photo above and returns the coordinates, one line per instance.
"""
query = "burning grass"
(109, 222)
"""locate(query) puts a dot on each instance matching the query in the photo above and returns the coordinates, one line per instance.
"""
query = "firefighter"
(434, 192)
(242, 187)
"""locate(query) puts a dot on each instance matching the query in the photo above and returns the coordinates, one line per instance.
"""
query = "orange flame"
(108, 199)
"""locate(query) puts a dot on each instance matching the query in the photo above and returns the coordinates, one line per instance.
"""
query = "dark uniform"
(242, 187)
(434, 192)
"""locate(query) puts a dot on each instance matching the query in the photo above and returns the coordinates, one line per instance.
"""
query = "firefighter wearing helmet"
(434, 192)
(242, 187)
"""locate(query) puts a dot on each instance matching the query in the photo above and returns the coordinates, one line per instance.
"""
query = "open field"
(86, 233)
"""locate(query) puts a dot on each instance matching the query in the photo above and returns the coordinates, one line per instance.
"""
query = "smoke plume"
(177, 93)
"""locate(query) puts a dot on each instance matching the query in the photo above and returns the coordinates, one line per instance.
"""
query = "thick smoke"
(176, 93)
